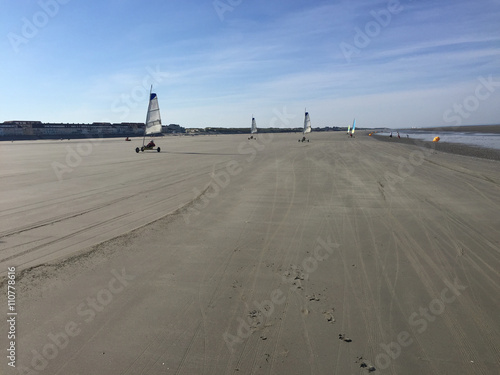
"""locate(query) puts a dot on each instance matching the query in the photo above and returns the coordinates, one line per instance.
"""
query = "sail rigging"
(254, 126)
(153, 118)
(307, 123)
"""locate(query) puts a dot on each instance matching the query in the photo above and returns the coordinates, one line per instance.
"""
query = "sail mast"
(147, 115)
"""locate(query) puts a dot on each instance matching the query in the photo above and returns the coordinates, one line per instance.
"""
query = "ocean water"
(475, 139)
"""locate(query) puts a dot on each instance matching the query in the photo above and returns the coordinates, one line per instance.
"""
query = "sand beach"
(223, 255)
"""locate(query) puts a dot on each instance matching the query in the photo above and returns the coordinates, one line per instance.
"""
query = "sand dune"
(223, 255)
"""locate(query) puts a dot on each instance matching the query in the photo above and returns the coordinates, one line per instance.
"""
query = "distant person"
(399, 136)
(407, 136)
(390, 135)
(151, 144)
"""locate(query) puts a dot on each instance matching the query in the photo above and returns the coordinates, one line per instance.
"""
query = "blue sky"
(215, 63)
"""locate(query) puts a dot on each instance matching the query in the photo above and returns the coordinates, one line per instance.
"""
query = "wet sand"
(228, 256)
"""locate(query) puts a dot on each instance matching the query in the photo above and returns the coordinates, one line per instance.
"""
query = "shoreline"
(490, 129)
(448, 147)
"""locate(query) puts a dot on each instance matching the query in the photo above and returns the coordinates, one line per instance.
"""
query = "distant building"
(173, 128)
(37, 129)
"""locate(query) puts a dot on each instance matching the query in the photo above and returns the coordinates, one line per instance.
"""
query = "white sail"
(254, 126)
(307, 124)
(153, 119)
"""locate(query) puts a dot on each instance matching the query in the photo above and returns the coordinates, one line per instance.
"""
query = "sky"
(396, 63)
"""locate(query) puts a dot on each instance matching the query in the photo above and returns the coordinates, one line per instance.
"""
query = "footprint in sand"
(329, 316)
(363, 364)
(344, 338)
(313, 298)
